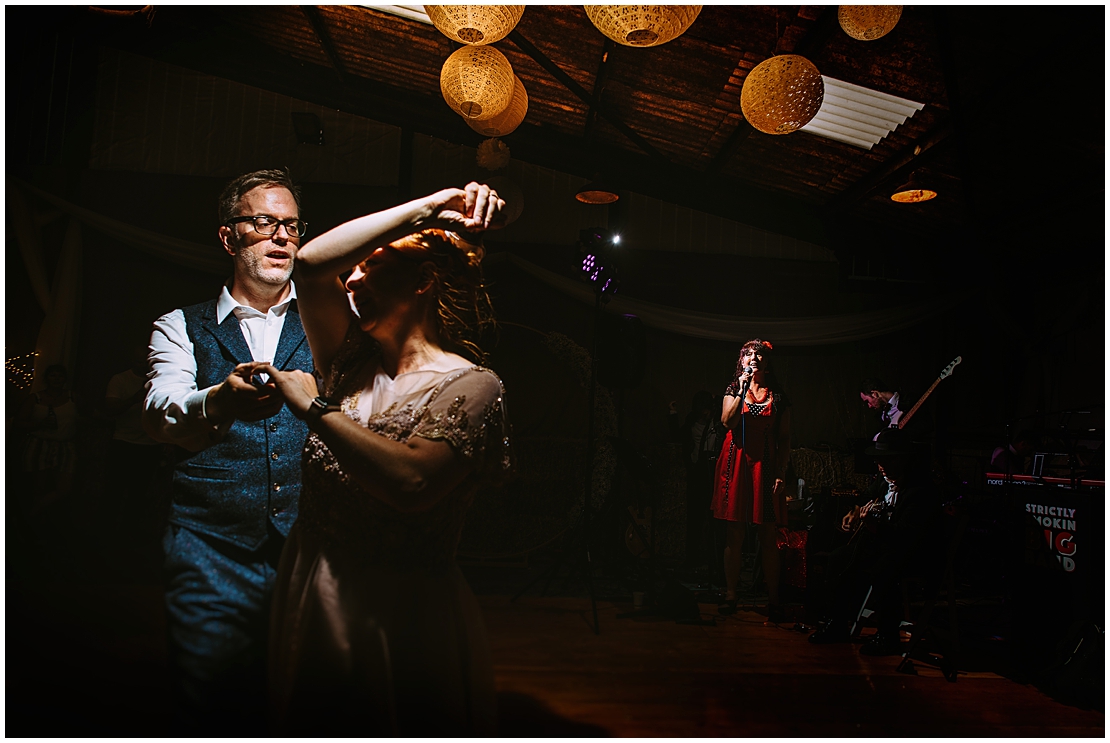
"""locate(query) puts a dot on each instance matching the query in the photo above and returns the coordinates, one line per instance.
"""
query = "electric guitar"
(945, 372)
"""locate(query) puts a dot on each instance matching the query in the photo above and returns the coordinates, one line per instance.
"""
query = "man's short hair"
(872, 383)
(234, 192)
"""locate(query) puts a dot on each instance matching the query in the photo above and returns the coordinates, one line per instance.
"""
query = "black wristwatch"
(317, 408)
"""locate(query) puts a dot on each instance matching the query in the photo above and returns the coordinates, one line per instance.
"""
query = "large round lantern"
(868, 22)
(782, 94)
(508, 120)
(475, 24)
(477, 82)
(642, 25)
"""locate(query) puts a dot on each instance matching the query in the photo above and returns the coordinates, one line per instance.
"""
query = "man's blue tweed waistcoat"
(231, 489)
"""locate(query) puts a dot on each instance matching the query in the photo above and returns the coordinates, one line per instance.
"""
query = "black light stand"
(605, 283)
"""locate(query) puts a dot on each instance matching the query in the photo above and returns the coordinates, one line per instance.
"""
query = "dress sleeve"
(469, 413)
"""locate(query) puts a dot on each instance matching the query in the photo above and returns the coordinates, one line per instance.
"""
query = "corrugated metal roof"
(859, 116)
(412, 12)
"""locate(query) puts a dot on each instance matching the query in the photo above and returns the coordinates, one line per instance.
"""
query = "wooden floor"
(86, 656)
(652, 677)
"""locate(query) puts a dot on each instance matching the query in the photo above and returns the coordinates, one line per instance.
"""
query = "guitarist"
(892, 537)
(874, 394)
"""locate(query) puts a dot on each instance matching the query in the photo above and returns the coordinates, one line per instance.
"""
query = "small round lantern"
(868, 22)
(642, 25)
(477, 82)
(782, 94)
(508, 120)
(493, 154)
(475, 24)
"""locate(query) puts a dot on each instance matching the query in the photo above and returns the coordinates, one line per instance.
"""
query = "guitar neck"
(906, 418)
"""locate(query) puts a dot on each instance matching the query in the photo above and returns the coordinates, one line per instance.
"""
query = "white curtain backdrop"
(795, 331)
(58, 336)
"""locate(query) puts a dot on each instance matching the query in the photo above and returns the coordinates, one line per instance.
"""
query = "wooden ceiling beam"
(823, 29)
(322, 35)
(570, 84)
(599, 88)
(732, 144)
(899, 165)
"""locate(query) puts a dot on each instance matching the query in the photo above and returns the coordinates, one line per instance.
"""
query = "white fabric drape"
(797, 331)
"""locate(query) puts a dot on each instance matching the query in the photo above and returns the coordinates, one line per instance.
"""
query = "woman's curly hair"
(755, 344)
(464, 310)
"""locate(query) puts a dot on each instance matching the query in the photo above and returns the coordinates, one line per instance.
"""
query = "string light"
(21, 370)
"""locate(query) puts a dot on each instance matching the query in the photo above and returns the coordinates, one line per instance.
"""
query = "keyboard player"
(1010, 459)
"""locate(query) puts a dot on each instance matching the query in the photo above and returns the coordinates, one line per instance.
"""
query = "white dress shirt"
(174, 409)
(893, 414)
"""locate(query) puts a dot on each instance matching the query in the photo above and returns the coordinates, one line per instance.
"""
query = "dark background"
(1025, 260)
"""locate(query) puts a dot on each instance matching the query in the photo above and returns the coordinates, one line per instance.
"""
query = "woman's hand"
(297, 388)
(778, 487)
(475, 208)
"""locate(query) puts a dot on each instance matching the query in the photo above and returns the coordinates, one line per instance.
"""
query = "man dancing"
(235, 489)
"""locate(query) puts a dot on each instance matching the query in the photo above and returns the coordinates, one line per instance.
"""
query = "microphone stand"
(743, 420)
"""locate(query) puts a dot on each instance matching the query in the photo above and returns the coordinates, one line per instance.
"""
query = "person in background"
(49, 417)
(892, 533)
(701, 435)
(876, 396)
(133, 456)
(749, 485)
(1010, 459)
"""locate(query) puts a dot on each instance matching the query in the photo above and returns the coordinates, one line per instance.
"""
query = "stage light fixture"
(596, 262)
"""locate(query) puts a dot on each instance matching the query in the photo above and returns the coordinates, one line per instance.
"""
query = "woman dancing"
(749, 483)
(374, 629)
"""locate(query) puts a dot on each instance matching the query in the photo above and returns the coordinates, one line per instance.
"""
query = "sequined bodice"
(464, 407)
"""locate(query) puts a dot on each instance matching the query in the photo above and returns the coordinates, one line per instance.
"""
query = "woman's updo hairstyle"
(463, 309)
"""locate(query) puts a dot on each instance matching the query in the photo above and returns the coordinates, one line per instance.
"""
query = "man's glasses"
(266, 225)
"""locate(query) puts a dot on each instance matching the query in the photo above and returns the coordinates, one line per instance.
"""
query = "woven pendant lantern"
(477, 82)
(868, 22)
(475, 24)
(782, 94)
(642, 25)
(508, 120)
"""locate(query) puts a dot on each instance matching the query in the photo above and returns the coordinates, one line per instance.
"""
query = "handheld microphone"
(747, 370)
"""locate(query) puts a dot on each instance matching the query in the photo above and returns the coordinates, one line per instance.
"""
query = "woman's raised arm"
(322, 299)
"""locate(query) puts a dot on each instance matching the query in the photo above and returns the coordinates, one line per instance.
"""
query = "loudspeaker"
(621, 352)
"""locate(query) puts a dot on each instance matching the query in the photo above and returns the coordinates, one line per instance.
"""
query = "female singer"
(749, 483)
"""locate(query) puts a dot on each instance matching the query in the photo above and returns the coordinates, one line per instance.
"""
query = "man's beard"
(256, 269)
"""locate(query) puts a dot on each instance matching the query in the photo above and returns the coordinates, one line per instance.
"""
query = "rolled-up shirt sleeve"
(173, 410)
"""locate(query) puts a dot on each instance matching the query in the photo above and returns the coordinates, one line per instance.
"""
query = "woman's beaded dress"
(375, 630)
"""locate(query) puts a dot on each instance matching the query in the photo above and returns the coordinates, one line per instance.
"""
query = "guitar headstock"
(951, 367)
